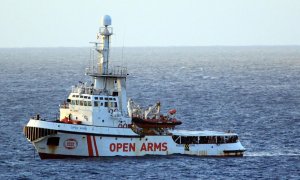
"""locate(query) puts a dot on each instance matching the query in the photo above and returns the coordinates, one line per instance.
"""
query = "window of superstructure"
(96, 98)
(77, 96)
(89, 103)
(116, 105)
(106, 98)
(220, 139)
(73, 95)
(77, 102)
(186, 139)
(101, 104)
(81, 103)
(101, 98)
(85, 103)
(85, 97)
(110, 98)
(231, 139)
(114, 99)
(203, 140)
(115, 93)
(176, 139)
(96, 103)
(81, 96)
(105, 104)
(212, 139)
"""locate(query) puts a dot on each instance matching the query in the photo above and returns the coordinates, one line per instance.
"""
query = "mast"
(108, 80)
(105, 33)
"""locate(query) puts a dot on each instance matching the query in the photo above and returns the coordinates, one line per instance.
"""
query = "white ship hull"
(61, 143)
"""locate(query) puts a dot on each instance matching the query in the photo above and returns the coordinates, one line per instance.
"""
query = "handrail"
(112, 70)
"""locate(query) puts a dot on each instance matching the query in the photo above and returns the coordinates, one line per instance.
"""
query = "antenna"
(123, 49)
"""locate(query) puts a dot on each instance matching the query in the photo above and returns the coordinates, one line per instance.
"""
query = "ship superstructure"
(97, 120)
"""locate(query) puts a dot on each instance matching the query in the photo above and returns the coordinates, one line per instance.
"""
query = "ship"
(97, 120)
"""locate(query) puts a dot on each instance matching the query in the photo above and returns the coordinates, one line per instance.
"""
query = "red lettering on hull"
(164, 146)
(143, 148)
(130, 147)
(154, 146)
(157, 146)
(122, 147)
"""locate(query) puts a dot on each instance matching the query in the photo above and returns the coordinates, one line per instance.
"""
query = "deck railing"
(112, 70)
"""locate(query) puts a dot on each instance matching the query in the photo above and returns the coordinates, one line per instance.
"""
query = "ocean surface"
(253, 91)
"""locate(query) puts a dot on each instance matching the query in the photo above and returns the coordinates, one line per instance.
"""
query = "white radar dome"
(106, 20)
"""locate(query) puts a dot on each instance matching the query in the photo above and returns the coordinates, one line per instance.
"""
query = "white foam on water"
(269, 154)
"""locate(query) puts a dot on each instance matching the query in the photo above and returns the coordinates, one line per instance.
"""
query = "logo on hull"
(70, 144)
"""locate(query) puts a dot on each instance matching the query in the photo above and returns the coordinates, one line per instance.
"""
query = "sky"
(74, 23)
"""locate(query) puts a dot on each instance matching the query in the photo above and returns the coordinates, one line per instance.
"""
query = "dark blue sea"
(253, 91)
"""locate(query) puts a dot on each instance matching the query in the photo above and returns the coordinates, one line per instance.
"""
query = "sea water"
(253, 91)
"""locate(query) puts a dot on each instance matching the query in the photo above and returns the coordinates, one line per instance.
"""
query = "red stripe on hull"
(95, 145)
(89, 143)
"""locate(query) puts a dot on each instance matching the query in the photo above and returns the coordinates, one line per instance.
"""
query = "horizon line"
(175, 46)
